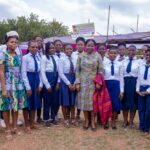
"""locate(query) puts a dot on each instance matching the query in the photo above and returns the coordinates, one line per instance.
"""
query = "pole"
(108, 22)
(137, 27)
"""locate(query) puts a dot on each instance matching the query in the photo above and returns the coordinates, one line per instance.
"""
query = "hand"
(98, 87)
(29, 93)
(4, 94)
(142, 93)
(121, 96)
(77, 86)
(39, 90)
(57, 86)
(49, 90)
(71, 87)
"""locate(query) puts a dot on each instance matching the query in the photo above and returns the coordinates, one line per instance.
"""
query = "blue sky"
(123, 12)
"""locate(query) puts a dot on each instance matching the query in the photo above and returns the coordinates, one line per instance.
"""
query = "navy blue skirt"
(113, 87)
(34, 101)
(52, 79)
(130, 100)
(67, 97)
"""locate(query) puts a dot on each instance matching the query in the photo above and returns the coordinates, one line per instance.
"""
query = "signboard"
(85, 30)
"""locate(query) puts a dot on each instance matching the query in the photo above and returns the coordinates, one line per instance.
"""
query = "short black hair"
(58, 41)
(132, 46)
(121, 44)
(80, 39)
(47, 45)
(67, 45)
(90, 40)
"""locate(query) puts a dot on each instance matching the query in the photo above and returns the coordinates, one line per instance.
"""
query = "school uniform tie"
(35, 63)
(39, 52)
(58, 54)
(112, 68)
(54, 64)
(71, 66)
(146, 72)
(129, 65)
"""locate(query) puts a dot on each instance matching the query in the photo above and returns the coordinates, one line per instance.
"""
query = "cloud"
(123, 13)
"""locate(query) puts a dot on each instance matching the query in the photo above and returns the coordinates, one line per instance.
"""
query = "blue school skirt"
(67, 97)
(113, 87)
(34, 101)
(52, 79)
(130, 99)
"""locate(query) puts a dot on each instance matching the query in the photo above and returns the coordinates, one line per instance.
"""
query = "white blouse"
(118, 72)
(29, 66)
(141, 81)
(64, 67)
(134, 67)
(61, 54)
(48, 66)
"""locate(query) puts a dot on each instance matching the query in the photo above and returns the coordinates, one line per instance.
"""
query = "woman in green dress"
(12, 91)
(88, 65)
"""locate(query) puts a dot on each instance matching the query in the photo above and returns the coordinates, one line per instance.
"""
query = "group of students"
(54, 75)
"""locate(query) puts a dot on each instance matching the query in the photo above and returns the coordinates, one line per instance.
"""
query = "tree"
(28, 27)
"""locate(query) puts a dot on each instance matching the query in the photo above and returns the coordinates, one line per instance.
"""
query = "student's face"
(80, 46)
(121, 50)
(58, 46)
(33, 48)
(112, 54)
(68, 50)
(147, 57)
(39, 41)
(12, 44)
(131, 51)
(52, 49)
(101, 50)
(143, 50)
(90, 47)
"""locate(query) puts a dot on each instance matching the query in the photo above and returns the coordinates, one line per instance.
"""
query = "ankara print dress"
(14, 84)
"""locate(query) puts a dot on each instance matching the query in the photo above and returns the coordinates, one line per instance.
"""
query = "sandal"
(28, 130)
(16, 131)
(34, 127)
(67, 124)
(8, 135)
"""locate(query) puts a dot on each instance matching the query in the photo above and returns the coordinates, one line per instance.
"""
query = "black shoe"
(106, 125)
(47, 124)
(39, 120)
(85, 127)
(54, 122)
(93, 129)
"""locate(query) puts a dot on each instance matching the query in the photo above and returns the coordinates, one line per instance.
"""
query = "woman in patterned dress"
(12, 92)
(88, 65)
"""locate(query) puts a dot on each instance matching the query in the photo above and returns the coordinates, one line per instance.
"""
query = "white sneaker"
(19, 122)
(2, 122)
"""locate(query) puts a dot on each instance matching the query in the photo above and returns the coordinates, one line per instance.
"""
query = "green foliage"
(28, 27)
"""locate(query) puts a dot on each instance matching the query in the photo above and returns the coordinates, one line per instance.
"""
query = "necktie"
(58, 54)
(39, 52)
(112, 68)
(146, 72)
(35, 63)
(129, 65)
(54, 63)
(71, 66)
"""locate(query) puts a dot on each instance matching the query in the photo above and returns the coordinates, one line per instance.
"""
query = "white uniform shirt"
(75, 55)
(29, 66)
(48, 66)
(141, 81)
(61, 54)
(64, 67)
(120, 58)
(118, 72)
(134, 67)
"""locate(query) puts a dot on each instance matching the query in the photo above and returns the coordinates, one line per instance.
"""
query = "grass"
(74, 138)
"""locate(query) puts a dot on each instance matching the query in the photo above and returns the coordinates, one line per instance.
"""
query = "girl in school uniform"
(143, 90)
(102, 51)
(113, 75)
(40, 53)
(67, 88)
(130, 71)
(12, 91)
(80, 46)
(33, 84)
(49, 74)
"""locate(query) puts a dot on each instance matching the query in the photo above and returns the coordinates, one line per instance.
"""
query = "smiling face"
(143, 50)
(80, 46)
(39, 41)
(58, 46)
(112, 54)
(90, 47)
(68, 50)
(33, 47)
(101, 51)
(12, 44)
(52, 49)
(131, 51)
(121, 50)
